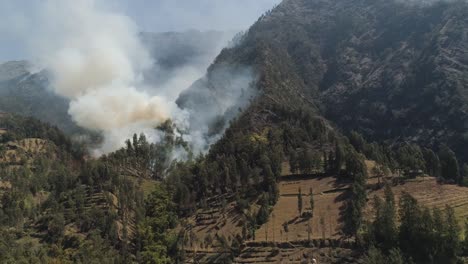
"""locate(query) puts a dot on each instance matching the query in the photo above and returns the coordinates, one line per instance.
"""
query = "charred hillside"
(390, 70)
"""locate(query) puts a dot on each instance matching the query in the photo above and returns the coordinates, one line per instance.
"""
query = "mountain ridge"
(365, 70)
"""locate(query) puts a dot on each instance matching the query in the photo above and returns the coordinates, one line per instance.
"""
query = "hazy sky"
(149, 15)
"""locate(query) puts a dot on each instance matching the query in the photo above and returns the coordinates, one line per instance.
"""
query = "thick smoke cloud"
(216, 99)
(97, 60)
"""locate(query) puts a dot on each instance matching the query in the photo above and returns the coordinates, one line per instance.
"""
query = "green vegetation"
(380, 81)
(79, 211)
(422, 236)
(358, 199)
(66, 205)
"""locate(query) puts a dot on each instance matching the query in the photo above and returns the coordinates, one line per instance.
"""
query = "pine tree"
(357, 141)
(432, 163)
(311, 200)
(452, 241)
(355, 205)
(244, 171)
(262, 215)
(439, 229)
(449, 164)
(409, 220)
(309, 230)
(410, 157)
(306, 162)
(339, 158)
(465, 240)
(426, 245)
(384, 227)
(294, 161)
(355, 165)
(326, 162)
(464, 174)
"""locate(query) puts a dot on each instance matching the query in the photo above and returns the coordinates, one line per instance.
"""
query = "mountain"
(390, 70)
(338, 119)
(25, 92)
(13, 69)
(348, 96)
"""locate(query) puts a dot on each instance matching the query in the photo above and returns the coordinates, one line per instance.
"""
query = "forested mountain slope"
(290, 179)
(388, 69)
(58, 207)
(394, 71)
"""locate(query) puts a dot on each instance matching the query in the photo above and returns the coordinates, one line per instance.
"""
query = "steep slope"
(390, 70)
(394, 71)
(53, 200)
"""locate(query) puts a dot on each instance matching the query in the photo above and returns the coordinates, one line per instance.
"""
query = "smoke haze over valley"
(119, 81)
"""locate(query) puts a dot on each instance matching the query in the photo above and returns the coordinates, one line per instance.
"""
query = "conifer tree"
(339, 158)
(299, 201)
(384, 227)
(432, 163)
(409, 218)
(464, 246)
(452, 241)
(449, 164)
(356, 203)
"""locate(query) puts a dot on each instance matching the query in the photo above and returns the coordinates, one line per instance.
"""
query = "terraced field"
(203, 228)
(24, 151)
(95, 198)
(432, 194)
(329, 195)
(285, 237)
(205, 256)
(258, 252)
(34, 145)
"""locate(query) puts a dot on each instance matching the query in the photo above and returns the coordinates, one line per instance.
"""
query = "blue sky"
(151, 15)
(164, 15)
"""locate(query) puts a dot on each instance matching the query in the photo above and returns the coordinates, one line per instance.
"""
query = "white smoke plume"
(96, 60)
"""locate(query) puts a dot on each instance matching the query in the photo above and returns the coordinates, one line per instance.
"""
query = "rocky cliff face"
(392, 70)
